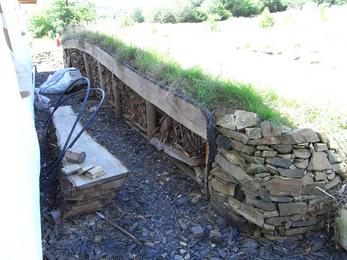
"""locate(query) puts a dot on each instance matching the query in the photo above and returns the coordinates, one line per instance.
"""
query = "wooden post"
(116, 95)
(207, 171)
(67, 61)
(101, 78)
(86, 65)
(151, 119)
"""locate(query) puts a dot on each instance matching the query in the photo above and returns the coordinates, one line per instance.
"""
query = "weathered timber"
(86, 65)
(116, 96)
(101, 78)
(96, 154)
(179, 109)
(151, 119)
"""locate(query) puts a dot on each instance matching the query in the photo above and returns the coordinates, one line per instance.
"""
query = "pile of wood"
(82, 188)
(90, 176)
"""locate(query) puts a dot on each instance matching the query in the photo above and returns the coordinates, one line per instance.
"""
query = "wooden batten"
(86, 65)
(101, 78)
(151, 119)
(177, 108)
(116, 96)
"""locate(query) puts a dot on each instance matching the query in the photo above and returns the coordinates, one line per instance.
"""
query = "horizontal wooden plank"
(177, 108)
(96, 154)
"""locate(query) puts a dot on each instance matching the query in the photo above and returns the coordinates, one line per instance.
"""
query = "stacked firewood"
(82, 189)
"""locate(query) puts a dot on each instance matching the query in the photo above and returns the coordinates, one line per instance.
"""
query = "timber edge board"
(176, 107)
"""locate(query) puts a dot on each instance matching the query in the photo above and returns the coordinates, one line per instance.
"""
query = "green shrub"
(274, 5)
(215, 7)
(266, 19)
(183, 11)
(243, 7)
(137, 15)
(59, 16)
(212, 22)
(125, 21)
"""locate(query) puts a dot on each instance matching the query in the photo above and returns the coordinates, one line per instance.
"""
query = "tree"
(60, 15)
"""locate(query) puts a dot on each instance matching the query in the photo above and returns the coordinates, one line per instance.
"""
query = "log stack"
(91, 175)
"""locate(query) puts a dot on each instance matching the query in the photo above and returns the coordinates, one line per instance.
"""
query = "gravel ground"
(158, 205)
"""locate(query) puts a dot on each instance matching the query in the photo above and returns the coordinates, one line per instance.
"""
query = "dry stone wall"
(265, 175)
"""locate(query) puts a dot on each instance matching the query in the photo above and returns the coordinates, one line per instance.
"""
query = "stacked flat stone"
(265, 175)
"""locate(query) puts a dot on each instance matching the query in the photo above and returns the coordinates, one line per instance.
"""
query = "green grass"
(205, 90)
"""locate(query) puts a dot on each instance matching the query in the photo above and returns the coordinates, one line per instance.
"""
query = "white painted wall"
(19, 155)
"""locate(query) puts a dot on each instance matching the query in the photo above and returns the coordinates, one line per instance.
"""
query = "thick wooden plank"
(63, 120)
(177, 108)
(151, 119)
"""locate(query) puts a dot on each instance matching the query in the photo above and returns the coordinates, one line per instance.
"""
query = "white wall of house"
(19, 155)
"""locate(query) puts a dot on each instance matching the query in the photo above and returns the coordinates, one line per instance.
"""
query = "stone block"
(268, 153)
(226, 177)
(291, 173)
(233, 135)
(264, 148)
(261, 204)
(320, 176)
(234, 158)
(250, 159)
(253, 133)
(237, 172)
(334, 182)
(238, 146)
(223, 187)
(225, 120)
(302, 230)
(302, 153)
(320, 147)
(280, 162)
(292, 208)
(319, 162)
(266, 128)
(256, 168)
(282, 148)
(272, 169)
(298, 136)
(306, 223)
(301, 164)
(282, 221)
(244, 119)
(248, 212)
(279, 186)
(223, 142)
(311, 189)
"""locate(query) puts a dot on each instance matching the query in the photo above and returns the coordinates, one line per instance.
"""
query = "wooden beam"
(116, 96)
(177, 108)
(86, 65)
(67, 61)
(151, 118)
(101, 78)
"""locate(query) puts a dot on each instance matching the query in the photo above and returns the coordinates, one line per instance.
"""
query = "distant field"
(303, 58)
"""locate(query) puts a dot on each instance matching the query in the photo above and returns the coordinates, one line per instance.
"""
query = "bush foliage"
(266, 19)
(58, 16)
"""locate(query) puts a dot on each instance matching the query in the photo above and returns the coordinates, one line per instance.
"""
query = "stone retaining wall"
(265, 175)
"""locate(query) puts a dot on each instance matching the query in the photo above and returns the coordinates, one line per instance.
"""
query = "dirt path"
(159, 205)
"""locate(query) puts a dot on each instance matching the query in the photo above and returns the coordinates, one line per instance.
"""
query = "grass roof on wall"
(204, 89)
